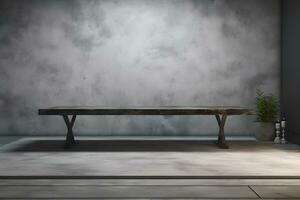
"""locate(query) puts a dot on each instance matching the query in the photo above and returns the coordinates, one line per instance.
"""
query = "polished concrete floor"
(137, 157)
(124, 168)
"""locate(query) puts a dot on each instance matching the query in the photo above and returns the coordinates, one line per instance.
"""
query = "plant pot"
(265, 131)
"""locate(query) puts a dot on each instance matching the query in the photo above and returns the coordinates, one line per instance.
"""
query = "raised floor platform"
(96, 156)
(147, 168)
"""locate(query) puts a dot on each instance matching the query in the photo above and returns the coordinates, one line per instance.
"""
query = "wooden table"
(220, 112)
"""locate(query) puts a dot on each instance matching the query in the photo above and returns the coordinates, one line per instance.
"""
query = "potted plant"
(267, 107)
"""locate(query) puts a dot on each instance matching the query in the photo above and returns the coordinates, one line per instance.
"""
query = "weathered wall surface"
(135, 53)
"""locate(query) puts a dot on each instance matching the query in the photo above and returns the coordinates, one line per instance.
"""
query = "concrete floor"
(97, 169)
(242, 189)
(94, 157)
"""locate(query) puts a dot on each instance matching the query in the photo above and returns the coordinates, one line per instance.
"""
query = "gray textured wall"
(135, 53)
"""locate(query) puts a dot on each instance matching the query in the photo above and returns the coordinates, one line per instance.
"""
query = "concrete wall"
(135, 53)
(290, 82)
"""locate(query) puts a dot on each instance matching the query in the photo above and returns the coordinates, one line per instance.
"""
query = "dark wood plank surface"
(169, 110)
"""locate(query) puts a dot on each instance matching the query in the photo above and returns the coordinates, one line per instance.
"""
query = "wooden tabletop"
(165, 110)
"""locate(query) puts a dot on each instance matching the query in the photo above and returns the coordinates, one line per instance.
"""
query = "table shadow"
(112, 146)
(44, 145)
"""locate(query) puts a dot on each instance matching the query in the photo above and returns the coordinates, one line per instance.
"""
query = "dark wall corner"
(290, 67)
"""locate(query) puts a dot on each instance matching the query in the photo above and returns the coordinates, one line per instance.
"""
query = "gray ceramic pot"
(265, 131)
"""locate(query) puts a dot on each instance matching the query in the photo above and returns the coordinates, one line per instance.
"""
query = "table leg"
(221, 138)
(70, 136)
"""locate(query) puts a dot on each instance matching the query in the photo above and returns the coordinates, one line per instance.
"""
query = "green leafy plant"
(267, 107)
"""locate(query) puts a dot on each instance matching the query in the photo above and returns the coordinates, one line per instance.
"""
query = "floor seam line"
(254, 192)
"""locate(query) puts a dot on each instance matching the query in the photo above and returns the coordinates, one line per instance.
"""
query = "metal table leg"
(221, 138)
(70, 123)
